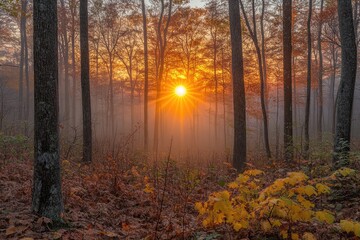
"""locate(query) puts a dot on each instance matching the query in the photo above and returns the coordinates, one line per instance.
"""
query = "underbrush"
(131, 195)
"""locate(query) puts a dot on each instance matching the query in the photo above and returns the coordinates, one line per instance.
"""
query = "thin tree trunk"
(85, 82)
(321, 69)
(308, 85)
(287, 55)
(146, 80)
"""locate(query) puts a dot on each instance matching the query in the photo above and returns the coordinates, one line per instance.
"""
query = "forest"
(180, 119)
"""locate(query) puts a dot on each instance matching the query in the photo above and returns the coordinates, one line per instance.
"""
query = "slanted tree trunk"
(239, 152)
(85, 82)
(253, 34)
(308, 84)
(287, 53)
(347, 84)
(46, 195)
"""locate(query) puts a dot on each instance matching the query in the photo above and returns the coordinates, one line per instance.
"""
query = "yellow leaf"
(237, 226)
(357, 229)
(284, 234)
(233, 185)
(347, 226)
(306, 203)
(325, 216)
(310, 190)
(266, 226)
(309, 236)
(276, 223)
(345, 171)
(148, 188)
(295, 236)
(253, 172)
(322, 188)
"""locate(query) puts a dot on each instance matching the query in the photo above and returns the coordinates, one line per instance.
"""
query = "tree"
(85, 82)
(146, 80)
(161, 44)
(347, 84)
(46, 195)
(287, 57)
(321, 70)
(239, 152)
(261, 61)
(308, 85)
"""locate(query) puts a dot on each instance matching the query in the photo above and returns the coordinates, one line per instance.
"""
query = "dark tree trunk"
(85, 82)
(46, 196)
(308, 85)
(321, 69)
(239, 152)
(146, 80)
(287, 53)
(347, 84)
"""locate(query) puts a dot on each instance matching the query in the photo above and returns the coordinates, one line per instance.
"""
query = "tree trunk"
(85, 82)
(239, 151)
(347, 84)
(146, 80)
(321, 69)
(287, 53)
(308, 85)
(73, 12)
(46, 196)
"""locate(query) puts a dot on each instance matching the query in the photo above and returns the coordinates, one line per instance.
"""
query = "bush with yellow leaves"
(277, 208)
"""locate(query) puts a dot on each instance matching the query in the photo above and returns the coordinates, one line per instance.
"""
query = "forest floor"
(109, 201)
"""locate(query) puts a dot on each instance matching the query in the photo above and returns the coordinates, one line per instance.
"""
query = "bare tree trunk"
(46, 195)
(347, 84)
(253, 34)
(239, 152)
(287, 53)
(22, 57)
(85, 82)
(321, 69)
(146, 80)
(73, 12)
(161, 46)
(308, 85)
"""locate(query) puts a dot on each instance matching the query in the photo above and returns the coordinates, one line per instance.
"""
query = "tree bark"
(287, 55)
(347, 84)
(308, 84)
(239, 151)
(46, 195)
(321, 69)
(85, 82)
(146, 80)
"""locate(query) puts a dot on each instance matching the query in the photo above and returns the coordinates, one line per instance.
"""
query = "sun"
(180, 91)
